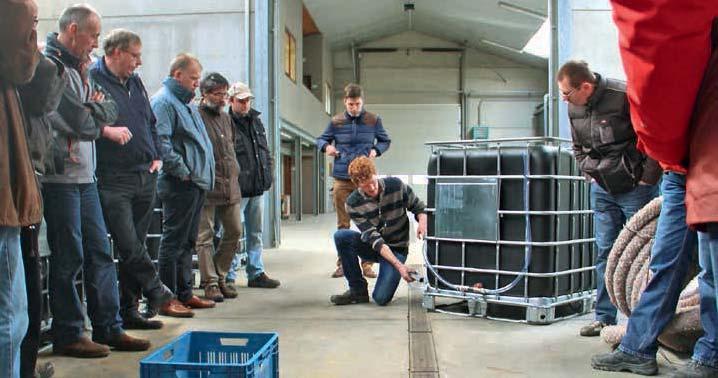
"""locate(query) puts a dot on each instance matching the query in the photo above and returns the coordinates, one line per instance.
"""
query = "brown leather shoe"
(228, 290)
(366, 269)
(82, 348)
(213, 293)
(126, 343)
(197, 302)
(176, 309)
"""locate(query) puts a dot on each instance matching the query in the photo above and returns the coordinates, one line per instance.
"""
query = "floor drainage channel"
(422, 353)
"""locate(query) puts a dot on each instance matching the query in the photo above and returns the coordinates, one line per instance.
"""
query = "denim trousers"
(182, 203)
(77, 237)
(611, 212)
(252, 209)
(13, 302)
(350, 248)
(706, 350)
(670, 258)
(128, 204)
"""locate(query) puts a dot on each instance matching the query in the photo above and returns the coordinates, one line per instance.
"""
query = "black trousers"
(33, 283)
(127, 204)
(182, 203)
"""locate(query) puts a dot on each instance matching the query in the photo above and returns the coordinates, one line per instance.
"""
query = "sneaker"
(212, 292)
(367, 270)
(694, 369)
(228, 290)
(349, 298)
(593, 329)
(339, 272)
(621, 361)
(264, 282)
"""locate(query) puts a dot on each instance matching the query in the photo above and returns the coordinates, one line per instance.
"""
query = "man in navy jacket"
(353, 133)
(127, 176)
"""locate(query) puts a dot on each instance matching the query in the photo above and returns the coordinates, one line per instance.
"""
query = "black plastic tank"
(544, 194)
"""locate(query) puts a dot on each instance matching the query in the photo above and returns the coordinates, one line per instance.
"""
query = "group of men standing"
(86, 147)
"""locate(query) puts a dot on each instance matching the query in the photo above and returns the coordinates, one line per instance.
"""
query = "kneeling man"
(378, 207)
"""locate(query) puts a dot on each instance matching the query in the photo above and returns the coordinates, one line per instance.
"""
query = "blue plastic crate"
(215, 354)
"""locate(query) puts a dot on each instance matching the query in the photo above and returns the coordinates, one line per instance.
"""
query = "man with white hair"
(76, 230)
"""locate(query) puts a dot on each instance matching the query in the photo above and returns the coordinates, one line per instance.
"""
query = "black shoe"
(620, 361)
(264, 282)
(155, 302)
(695, 370)
(136, 321)
(349, 298)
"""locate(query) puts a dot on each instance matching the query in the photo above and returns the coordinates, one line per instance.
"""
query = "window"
(290, 55)
(327, 98)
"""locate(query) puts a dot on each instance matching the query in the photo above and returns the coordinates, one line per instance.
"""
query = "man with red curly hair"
(379, 208)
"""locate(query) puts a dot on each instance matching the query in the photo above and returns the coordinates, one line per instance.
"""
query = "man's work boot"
(82, 348)
(620, 361)
(593, 329)
(366, 269)
(695, 370)
(228, 290)
(197, 302)
(213, 293)
(175, 309)
(349, 298)
(124, 342)
(264, 282)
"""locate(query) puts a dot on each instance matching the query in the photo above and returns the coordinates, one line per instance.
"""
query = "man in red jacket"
(672, 82)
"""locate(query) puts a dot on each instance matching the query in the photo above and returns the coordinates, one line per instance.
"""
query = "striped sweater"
(384, 220)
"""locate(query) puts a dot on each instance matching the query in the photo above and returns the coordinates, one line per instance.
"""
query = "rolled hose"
(628, 274)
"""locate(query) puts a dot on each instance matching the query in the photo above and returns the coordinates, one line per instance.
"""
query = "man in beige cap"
(255, 177)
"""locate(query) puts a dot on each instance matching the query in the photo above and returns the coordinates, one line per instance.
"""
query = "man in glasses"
(622, 178)
(127, 177)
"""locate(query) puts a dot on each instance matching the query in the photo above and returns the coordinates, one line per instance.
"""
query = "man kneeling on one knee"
(378, 207)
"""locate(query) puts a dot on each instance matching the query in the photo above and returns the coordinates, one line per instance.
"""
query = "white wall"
(417, 95)
(595, 37)
(297, 105)
(211, 30)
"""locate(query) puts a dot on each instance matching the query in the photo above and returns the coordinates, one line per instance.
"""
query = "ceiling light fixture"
(522, 10)
(501, 45)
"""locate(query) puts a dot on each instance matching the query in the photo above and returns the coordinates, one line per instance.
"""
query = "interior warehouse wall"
(298, 105)
(417, 95)
(213, 30)
(595, 37)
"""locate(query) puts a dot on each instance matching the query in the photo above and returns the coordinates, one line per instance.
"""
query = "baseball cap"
(240, 91)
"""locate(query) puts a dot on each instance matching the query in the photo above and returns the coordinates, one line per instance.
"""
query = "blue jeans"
(670, 257)
(706, 350)
(252, 209)
(78, 241)
(182, 203)
(13, 302)
(611, 212)
(350, 248)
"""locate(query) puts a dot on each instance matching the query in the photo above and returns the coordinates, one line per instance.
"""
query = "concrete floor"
(318, 339)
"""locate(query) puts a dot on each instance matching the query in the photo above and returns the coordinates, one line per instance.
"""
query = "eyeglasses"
(219, 94)
(135, 56)
(566, 95)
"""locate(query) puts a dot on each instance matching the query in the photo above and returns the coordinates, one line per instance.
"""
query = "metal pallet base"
(533, 311)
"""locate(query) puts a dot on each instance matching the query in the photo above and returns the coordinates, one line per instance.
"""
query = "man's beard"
(210, 104)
